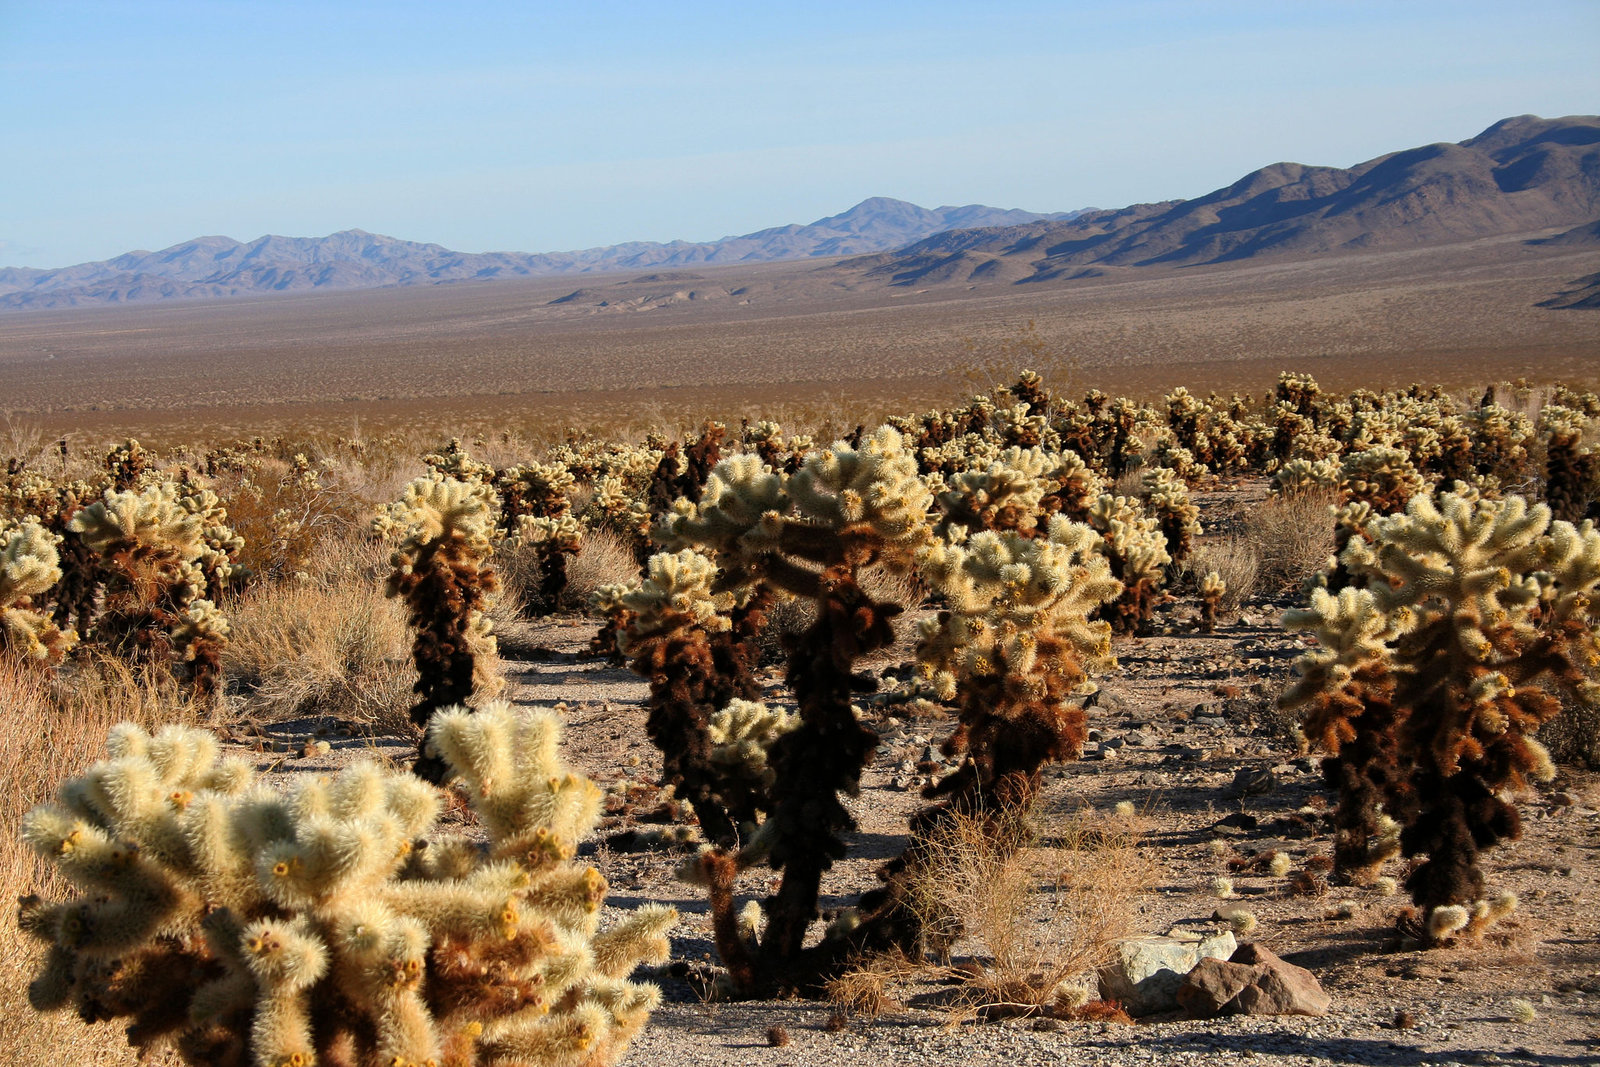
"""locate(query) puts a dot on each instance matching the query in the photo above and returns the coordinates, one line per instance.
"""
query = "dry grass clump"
(1292, 537)
(332, 644)
(1237, 561)
(51, 729)
(603, 559)
(1028, 921)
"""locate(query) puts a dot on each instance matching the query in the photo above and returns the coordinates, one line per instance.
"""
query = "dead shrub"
(329, 645)
(1027, 922)
(1292, 536)
(604, 558)
(1236, 560)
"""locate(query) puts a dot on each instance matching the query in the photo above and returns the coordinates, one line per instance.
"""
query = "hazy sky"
(534, 127)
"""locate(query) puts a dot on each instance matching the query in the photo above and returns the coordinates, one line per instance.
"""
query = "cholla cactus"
(1176, 515)
(1382, 477)
(1430, 680)
(1008, 494)
(1212, 590)
(807, 534)
(75, 596)
(1300, 477)
(682, 637)
(442, 572)
(742, 735)
(29, 566)
(1013, 645)
(1136, 549)
(1572, 471)
(157, 552)
(454, 461)
(332, 923)
(536, 509)
(128, 463)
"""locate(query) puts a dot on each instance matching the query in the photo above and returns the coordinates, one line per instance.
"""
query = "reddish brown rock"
(1253, 981)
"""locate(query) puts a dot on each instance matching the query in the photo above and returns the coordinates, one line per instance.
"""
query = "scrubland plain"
(1194, 807)
(795, 340)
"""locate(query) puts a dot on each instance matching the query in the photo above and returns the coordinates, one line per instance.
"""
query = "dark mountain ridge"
(1521, 175)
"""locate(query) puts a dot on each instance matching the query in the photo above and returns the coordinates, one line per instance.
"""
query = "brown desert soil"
(1178, 720)
(788, 341)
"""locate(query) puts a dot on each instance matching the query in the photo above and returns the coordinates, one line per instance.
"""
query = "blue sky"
(549, 126)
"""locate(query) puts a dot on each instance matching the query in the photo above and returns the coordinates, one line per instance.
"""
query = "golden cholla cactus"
(1572, 469)
(29, 566)
(1008, 494)
(334, 922)
(1014, 643)
(677, 591)
(1472, 616)
(1212, 590)
(1137, 551)
(1071, 486)
(1298, 477)
(680, 634)
(1013, 648)
(1381, 476)
(442, 572)
(149, 539)
(218, 559)
(742, 735)
(1177, 517)
(454, 461)
(156, 551)
(807, 534)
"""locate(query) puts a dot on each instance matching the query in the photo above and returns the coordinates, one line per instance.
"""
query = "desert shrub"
(1292, 536)
(604, 558)
(332, 644)
(245, 926)
(1432, 675)
(1025, 921)
(281, 508)
(443, 574)
(1235, 561)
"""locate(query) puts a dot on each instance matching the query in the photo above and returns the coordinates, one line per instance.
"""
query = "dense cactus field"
(789, 603)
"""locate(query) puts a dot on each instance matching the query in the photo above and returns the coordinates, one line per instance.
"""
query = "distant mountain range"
(355, 259)
(1521, 175)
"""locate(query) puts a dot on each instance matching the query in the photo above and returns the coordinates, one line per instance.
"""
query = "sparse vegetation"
(965, 568)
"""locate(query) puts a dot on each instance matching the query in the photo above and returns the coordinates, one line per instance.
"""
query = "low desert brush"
(330, 645)
(1292, 537)
(52, 728)
(1030, 920)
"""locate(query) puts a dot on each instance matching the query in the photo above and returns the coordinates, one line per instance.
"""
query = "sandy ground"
(1178, 721)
